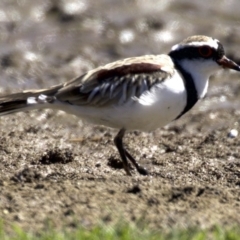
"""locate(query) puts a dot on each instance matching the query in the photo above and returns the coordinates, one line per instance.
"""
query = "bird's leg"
(140, 169)
(125, 154)
(119, 144)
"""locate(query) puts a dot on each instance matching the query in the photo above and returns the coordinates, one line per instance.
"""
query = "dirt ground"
(57, 170)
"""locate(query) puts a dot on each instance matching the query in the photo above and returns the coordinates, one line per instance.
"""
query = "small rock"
(5, 211)
(135, 189)
(98, 164)
(233, 133)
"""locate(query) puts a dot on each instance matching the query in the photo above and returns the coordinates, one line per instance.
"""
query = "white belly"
(154, 109)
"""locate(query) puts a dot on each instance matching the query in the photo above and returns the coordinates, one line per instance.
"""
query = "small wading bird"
(138, 93)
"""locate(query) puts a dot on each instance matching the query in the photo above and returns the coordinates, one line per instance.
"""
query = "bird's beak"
(227, 63)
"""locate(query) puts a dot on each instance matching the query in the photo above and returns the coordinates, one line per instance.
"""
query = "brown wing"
(113, 84)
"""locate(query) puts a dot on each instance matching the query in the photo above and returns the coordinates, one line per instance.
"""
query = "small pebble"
(98, 164)
(233, 133)
(5, 211)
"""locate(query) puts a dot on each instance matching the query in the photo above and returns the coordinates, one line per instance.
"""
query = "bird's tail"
(27, 100)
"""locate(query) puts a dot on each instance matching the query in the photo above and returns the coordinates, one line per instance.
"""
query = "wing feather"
(118, 82)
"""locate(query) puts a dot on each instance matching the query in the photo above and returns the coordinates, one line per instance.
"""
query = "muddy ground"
(57, 170)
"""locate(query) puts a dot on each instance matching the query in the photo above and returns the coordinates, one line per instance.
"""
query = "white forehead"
(212, 43)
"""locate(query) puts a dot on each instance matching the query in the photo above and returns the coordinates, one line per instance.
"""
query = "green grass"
(124, 232)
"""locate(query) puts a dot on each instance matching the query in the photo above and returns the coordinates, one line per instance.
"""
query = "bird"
(141, 93)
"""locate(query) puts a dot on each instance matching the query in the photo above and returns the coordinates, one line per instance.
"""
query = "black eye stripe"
(186, 53)
(220, 51)
(192, 52)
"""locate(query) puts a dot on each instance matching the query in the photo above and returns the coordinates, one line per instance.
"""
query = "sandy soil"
(55, 169)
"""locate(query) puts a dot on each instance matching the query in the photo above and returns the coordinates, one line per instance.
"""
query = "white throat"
(200, 72)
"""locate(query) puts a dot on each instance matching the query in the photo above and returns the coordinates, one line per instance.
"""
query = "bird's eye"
(205, 51)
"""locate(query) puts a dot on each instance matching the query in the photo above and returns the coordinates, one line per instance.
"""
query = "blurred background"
(45, 42)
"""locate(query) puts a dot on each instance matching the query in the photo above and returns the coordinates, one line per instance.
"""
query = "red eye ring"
(205, 51)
